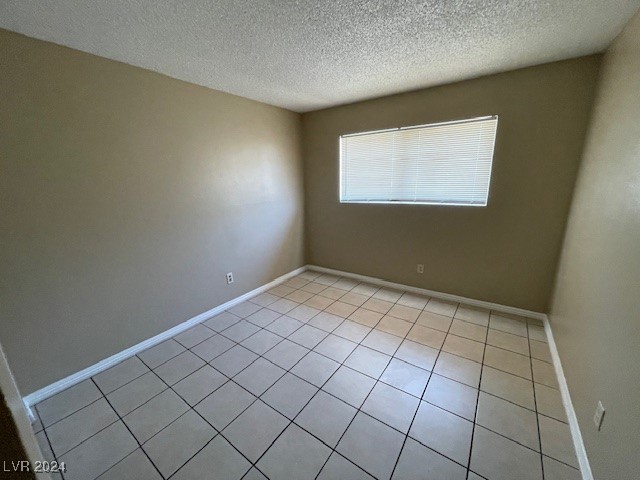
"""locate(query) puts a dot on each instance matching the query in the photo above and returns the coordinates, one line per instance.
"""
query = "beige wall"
(504, 253)
(595, 314)
(125, 197)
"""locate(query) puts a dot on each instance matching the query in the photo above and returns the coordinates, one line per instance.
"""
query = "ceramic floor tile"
(336, 348)
(99, 453)
(339, 468)
(463, 347)
(507, 324)
(155, 356)
(496, 457)
(413, 300)
(77, 427)
(326, 279)
(319, 302)
(333, 293)
(435, 321)
(254, 474)
(261, 342)
(554, 470)
(508, 419)
(297, 282)
(68, 401)
(382, 341)
(556, 440)
(341, 309)
(540, 350)
(510, 387)
(193, 336)
(282, 290)
(233, 361)
(417, 354)
(303, 313)
(468, 330)
(368, 361)
(326, 417)
(179, 367)
(255, 430)
(295, 454)
(452, 396)
(199, 384)
(286, 354)
(308, 336)
(148, 419)
(315, 368)
(283, 305)
(441, 307)
(289, 395)
(508, 361)
(366, 317)
(244, 309)
(267, 298)
(353, 298)
(212, 347)
(175, 445)
(377, 305)
(345, 284)
(405, 313)
(350, 386)
(136, 466)
(549, 402)
(442, 431)
(240, 331)
(427, 336)
(417, 461)
(365, 289)
(508, 341)
(225, 404)
(284, 326)
(459, 369)
(405, 377)
(299, 296)
(259, 376)
(391, 406)
(226, 319)
(377, 458)
(388, 294)
(313, 287)
(479, 316)
(544, 373)
(120, 374)
(394, 326)
(537, 333)
(130, 396)
(219, 457)
(326, 321)
(352, 331)
(309, 275)
(263, 317)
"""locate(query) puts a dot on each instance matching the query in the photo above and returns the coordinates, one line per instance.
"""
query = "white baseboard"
(576, 435)
(50, 390)
(430, 293)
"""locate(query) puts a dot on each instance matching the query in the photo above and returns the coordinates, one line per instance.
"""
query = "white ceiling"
(309, 54)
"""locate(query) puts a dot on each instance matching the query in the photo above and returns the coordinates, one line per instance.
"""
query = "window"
(442, 163)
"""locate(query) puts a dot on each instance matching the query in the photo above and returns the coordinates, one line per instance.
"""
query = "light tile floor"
(323, 377)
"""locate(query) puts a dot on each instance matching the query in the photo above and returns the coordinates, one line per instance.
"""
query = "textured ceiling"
(309, 54)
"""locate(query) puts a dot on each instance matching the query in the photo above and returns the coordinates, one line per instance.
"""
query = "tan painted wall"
(125, 197)
(595, 313)
(504, 253)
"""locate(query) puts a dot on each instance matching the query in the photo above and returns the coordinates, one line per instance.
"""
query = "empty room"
(320, 239)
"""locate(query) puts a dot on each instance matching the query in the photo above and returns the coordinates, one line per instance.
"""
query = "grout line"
(535, 403)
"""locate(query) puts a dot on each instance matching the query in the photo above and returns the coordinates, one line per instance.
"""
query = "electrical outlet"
(229, 278)
(598, 416)
(420, 268)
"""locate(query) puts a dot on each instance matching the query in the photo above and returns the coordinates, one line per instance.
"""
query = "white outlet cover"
(598, 416)
(420, 268)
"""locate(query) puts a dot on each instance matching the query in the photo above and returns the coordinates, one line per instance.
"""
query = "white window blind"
(443, 163)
